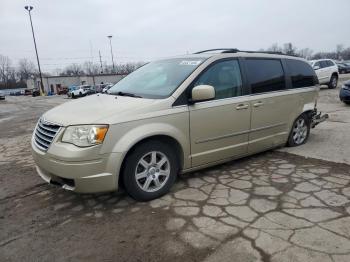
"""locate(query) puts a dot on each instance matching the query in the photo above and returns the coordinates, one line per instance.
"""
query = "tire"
(156, 165)
(333, 82)
(80, 94)
(73, 96)
(300, 131)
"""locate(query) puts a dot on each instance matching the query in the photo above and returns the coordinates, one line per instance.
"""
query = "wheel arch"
(335, 74)
(166, 139)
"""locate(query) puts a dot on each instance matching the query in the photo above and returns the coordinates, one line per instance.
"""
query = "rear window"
(301, 73)
(265, 75)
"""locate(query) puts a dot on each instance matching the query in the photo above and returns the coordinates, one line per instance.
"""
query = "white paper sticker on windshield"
(191, 63)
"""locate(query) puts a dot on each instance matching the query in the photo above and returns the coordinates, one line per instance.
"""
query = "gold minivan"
(176, 115)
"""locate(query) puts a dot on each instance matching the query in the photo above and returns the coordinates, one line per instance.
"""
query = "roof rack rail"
(225, 50)
(263, 52)
(235, 50)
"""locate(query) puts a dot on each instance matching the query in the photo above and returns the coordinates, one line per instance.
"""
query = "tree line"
(15, 76)
(340, 53)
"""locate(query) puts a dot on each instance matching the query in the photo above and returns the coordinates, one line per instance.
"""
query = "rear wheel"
(333, 82)
(300, 131)
(150, 170)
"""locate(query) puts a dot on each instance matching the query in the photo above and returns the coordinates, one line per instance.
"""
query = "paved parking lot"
(274, 206)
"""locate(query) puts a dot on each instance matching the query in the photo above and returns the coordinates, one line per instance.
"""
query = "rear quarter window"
(301, 74)
(265, 75)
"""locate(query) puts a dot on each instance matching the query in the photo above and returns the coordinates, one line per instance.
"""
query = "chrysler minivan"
(174, 116)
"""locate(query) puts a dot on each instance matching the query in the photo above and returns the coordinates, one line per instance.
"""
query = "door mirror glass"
(316, 67)
(202, 93)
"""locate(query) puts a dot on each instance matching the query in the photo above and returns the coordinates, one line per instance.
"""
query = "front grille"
(44, 133)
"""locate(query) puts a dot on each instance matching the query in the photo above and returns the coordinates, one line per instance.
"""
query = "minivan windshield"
(157, 79)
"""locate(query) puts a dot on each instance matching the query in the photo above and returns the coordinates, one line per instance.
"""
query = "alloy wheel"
(299, 131)
(152, 171)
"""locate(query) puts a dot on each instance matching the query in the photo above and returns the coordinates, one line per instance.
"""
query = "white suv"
(80, 91)
(326, 71)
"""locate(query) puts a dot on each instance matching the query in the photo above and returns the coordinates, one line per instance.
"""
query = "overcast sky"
(70, 31)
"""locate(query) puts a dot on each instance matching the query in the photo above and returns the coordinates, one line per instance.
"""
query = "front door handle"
(242, 106)
(257, 104)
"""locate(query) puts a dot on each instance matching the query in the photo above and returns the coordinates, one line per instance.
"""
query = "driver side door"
(219, 128)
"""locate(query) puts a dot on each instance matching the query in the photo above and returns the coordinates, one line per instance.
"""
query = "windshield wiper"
(126, 94)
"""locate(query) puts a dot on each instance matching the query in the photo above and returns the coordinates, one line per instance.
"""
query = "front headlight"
(85, 135)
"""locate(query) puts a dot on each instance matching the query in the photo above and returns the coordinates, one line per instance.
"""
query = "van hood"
(96, 109)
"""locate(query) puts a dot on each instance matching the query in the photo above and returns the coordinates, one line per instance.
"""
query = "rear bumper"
(86, 176)
(317, 118)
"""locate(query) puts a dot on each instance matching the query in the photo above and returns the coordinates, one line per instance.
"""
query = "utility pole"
(110, 43)
(99, 52)
(30, 8)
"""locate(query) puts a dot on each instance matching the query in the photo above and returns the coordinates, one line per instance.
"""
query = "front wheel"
(333, 82)
(300, 131)
(150, 170)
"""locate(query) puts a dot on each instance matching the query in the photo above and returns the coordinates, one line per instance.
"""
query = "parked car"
(343, 67)
(28, 92)
(2, 95)
(91, 90)
(177, 115)
(326, 71)
(80, 91)
(35, 92)
(100, 87)
(344, 93)
(17, 93)
(70, 89)
(106, 88)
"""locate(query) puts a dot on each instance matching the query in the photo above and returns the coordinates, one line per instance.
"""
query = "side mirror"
(316, 67)
(202, 93)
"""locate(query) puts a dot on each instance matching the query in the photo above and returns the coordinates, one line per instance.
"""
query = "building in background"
(52, 84)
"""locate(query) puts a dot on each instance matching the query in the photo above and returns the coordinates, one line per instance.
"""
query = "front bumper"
(82, 176)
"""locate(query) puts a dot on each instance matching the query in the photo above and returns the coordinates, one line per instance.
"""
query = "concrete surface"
(274, 206)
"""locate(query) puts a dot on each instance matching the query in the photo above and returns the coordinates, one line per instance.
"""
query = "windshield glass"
(157, 79)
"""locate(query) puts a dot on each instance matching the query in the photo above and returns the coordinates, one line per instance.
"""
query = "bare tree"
(73, 70)
(305, 53)
(289, 49)
(91, 68)
(5, 70)
(275, 48)
(26, 69)
(339, 49)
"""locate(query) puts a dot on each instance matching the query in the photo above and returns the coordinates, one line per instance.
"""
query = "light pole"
(30, 8)
(110, 43)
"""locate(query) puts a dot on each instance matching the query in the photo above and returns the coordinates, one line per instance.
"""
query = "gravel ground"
(274, 206)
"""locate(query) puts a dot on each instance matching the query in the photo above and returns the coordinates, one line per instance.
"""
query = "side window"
(330, 63)
(301, 73)
(265, 75)
(317, 64)
(225, 77)
(323, 63)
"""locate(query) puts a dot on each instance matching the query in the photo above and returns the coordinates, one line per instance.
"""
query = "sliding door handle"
(242, 106)
(257, 104)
